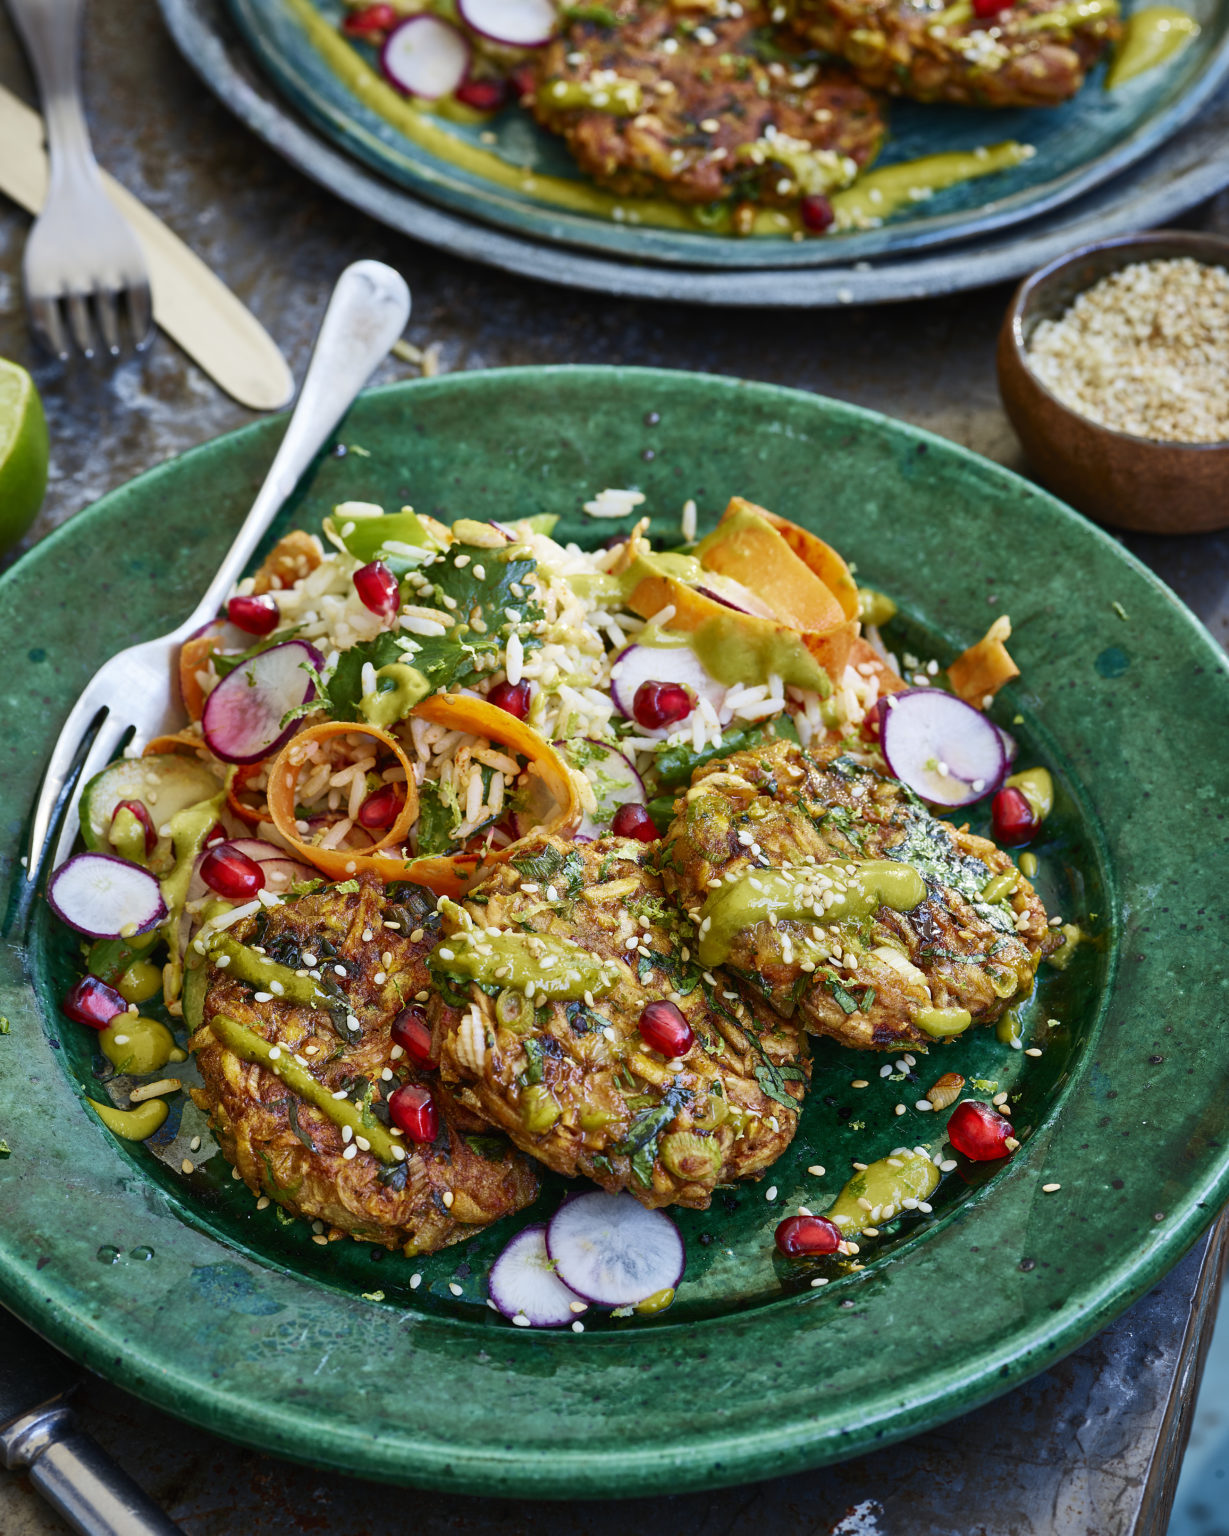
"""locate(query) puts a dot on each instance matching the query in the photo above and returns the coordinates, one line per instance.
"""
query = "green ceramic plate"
(176, 1287)
(1079, 144)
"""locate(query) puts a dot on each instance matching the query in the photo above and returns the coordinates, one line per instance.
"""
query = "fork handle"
(367, 313)
(51, 32)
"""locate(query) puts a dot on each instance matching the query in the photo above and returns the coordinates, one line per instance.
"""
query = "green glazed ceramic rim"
(993, 1291)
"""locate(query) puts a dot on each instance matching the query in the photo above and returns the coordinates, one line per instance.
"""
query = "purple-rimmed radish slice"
(426, 56)
(105, 897)
(514, 23)
(525, 1288)
(615, 782)
(1011, 746)
(942, 748)
(244, 713)
(613, 1252)
(732, 594)
(668, 666)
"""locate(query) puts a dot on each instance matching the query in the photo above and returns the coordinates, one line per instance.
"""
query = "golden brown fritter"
(878, 981)
(570, 1078)
(1034, 53)
(674, 99)
(368, 952)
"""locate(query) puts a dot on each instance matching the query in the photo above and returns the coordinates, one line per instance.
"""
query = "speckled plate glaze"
(178, 1288)
(1079, 144)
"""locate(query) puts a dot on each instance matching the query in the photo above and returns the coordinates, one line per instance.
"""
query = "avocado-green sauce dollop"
(1150, 37)
(942, 1023)
(132, 1124)
(549, 966)
(137, 1046)
(279, 1059)
(268, 975)
(823, 893)
(399, 687)
(878, 1192)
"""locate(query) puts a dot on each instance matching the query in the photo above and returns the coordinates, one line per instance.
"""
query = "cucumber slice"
(164, 784)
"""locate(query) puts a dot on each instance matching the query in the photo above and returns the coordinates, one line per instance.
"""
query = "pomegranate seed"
(1012, 818)
(135, 808)
(383, 807)
(801, 1236)
(91, 1001)
(634, 821)
(660, 704)
(663, 1028)
(372, 18)
(512, 698)
(413, 1034)
(216, 834)
(231, 873)
(524, 81)
(978, 1132)
(377, 589)
(816, 213)
(412, 1110)
(483, 95)
(253, 615)
(985, 9)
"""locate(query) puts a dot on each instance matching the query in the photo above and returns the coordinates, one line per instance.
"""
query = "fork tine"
(141, 315)
(48, 321)
(79, 323)
(109, 743)
(108, 319)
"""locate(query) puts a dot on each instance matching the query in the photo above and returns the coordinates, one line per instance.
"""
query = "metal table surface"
(1088, 1449)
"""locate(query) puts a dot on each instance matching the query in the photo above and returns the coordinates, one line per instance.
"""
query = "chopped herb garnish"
(868, 1000)
(491, 1148)
(348, 887)
(772, 1078)
(644, 1133)
(550, 867)
(845, 1000)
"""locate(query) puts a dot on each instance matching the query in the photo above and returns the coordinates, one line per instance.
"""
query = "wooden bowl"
(1129, 482)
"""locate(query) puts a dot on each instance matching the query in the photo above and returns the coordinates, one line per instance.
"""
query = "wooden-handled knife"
(190, 303)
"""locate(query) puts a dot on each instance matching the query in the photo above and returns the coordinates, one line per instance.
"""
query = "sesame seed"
(818, 1281)
(521, 1321)
(817, 1170)
(263, 1203)
(899, 1110)
(771, 1192)
(578, 1327)
(455, 1288)
(448, 1198)
(187, 1167)
(859, 1082)
(948, 1165)
(1050, 1189)
(415, 1282)
(924, 1207)
(1034, 1050)
(320, 1240)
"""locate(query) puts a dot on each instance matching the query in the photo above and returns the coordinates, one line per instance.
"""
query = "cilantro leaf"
(773, 1078)
(448, 660)
(550, 867)
(845, 1000)
(644, 1133)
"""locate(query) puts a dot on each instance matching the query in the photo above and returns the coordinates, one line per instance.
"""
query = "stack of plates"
(1105, 163)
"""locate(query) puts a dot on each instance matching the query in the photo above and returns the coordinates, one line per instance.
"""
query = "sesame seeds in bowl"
(1114, 370)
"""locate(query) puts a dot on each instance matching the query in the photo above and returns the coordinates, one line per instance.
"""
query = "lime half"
(23, 452)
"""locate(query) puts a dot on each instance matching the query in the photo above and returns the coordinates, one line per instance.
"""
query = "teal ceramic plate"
(1078, 145)
(175, 1286)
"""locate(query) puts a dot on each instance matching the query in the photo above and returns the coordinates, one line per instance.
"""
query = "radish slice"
(105, 897)
(426, 56)
(523, 1283)
(1010, 745)
(662, 664)
(615, 782)
(732, 594)
(942, 748)
(515, 23)
(281, 874)
(244, 713)
(612, 1251)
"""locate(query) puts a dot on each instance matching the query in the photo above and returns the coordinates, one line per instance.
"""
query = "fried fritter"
(771, 845)
(566, 1072)
(1034, 53)
(367, 952)
(673, 100)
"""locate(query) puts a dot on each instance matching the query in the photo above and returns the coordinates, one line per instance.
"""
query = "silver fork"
(82, 260)
(130, 696)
